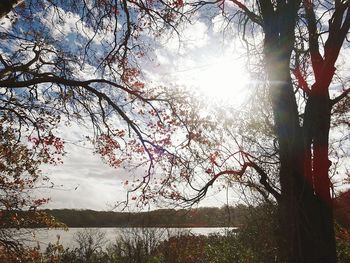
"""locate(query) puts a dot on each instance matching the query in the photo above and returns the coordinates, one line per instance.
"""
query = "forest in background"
(199, 217)
(144, 245)
(225, 216)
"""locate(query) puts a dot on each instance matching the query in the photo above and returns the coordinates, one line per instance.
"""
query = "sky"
(205, 60)
(85, 181)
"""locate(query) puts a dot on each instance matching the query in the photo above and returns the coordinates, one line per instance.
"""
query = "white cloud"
(87, 182)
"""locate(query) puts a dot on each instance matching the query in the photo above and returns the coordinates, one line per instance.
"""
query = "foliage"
(24, 255)
(298, 41)
(19, 177)
(48, 80)
(343, 243)
(183, 248)
(259, 235)
(152, 245)
(136, 246)
(90, 242)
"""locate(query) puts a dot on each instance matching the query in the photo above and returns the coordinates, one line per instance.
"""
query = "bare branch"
(340, 97)
(251, 15)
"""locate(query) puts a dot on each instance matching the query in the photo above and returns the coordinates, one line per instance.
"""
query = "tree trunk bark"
(305, 212)
(305, 208)
(316, 136)
(7, 5)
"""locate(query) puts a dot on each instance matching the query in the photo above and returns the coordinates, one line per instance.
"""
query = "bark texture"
(7, 5)
(305, 206)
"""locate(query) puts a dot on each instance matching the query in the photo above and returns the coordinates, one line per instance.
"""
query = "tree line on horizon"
(198, 217)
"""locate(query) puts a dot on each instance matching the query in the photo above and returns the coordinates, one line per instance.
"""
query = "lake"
(68, 237)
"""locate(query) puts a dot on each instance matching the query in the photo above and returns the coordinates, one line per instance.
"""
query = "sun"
(224, 80)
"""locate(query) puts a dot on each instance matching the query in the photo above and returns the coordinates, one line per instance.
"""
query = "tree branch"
(301, 80)
(7, 5)
(264, 181)
(316, 58)
(340, 97)
(252, 16)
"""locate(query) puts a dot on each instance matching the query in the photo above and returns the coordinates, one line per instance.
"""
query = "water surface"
(67, 238)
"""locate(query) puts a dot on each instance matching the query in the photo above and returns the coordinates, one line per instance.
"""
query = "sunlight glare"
(224, 80)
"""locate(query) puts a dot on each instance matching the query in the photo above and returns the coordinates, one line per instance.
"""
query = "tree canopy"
(83, 62)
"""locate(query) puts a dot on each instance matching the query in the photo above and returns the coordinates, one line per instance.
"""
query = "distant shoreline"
(189, 227)
(204, 217)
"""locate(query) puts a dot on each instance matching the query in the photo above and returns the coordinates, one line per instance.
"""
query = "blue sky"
(205, 59)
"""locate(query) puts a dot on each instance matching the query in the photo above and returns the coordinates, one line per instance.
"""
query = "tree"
(7, 5)
(45, 84)
(298, 47)
(300, 44)
(303, 148)
(97, 80)
(19, 177)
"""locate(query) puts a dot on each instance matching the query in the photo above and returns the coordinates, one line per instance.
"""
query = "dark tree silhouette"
(19, 177)
(90, 74)
(301, 42)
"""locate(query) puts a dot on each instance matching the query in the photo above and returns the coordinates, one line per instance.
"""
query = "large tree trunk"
(7, 5)
(319, 210)
(305, 205)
